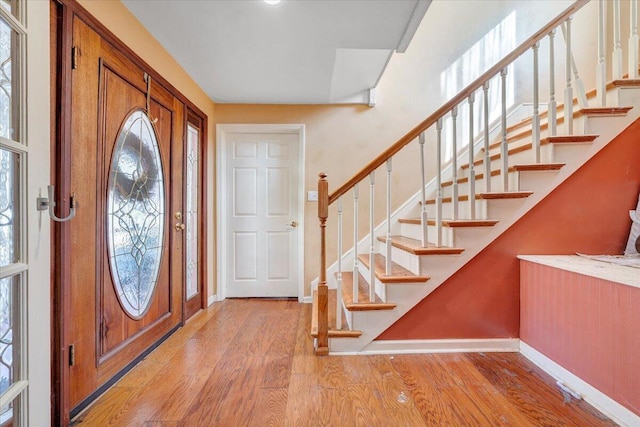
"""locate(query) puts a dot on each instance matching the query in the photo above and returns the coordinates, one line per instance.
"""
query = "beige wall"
(117, 18)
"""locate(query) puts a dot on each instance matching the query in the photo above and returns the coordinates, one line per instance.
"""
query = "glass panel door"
(192, 191)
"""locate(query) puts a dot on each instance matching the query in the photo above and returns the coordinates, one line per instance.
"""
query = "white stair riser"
(379, 287)
(481, 187)
(414, 231)
(463, 210)
(563, 153)
(624, 97)
(530, 180)
(595, 125)
(523, 157)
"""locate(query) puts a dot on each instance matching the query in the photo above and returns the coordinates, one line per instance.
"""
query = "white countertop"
(602, 270)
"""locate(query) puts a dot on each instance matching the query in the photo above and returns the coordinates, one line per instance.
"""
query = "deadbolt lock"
(178, 215)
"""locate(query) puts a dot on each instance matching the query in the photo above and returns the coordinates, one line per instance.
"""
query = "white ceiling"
(296, 52)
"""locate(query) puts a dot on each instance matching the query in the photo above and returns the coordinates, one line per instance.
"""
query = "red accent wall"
(589, 326)
(588, 213)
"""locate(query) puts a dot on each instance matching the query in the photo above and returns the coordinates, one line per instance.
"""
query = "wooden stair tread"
(414, 246)
(399, 274)
(564, 139)
(363, 303)
(568, 139)
(333, 332)
(453, 223)
(514, 168)
(604, 111)
(494, 195)
(625, 83)
(536, 167)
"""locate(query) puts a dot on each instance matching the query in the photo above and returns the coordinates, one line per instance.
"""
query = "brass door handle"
(179, 226)
(294, 224)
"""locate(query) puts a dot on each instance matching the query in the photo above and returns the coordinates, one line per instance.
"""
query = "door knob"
(294, 224)
(179, 226)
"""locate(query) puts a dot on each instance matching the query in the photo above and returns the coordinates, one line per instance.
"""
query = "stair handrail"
(456, 100)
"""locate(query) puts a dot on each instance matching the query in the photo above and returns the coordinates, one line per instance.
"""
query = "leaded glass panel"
(9, 218)
(9, 95)
(193, 136)
(135, 213)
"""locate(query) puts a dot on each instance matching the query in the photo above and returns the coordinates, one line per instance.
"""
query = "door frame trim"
(221, 220)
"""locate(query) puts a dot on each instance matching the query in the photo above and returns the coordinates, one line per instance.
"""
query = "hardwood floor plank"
(271, 407)
(303, 400)
(251, 363)
(239, 403)
(277, 372)
(338, 409)
(434, 396)
(331, 372)
(208, 402)
(526, 385)
(112, 402)
(474, 386)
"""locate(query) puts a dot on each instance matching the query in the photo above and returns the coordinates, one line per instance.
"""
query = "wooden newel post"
(322, 343)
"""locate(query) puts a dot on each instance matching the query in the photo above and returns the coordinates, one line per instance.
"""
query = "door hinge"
(72, 355)
(74, 58)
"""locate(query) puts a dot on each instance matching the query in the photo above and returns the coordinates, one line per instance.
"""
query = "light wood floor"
(250, 363)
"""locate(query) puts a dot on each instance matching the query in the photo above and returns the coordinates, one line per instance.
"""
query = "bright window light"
(272, 1)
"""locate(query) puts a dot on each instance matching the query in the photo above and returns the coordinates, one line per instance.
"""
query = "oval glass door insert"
(135, 214)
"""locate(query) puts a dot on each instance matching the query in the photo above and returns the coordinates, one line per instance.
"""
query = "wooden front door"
(125, 244)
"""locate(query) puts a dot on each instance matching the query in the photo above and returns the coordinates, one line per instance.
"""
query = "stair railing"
(481, 87)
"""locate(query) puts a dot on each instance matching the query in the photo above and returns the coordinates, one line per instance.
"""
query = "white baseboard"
(590, 394)
(307, 300)
(211, 299)
(442, 346)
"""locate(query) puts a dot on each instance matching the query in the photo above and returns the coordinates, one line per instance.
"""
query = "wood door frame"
(222, 199)
(62, 13)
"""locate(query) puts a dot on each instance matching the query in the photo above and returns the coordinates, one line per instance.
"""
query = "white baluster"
(634, 43)
(487, 157)
(553, 106)
(439, 183)
(616, 62)
(601, 68)
(568, 92)
(356, 262)
(339, 278)
(472, 168)
(581, 94)
(454, 161)
(535, 126)
(388, 243)
(423, 211)
(372, 246)
(504, 148)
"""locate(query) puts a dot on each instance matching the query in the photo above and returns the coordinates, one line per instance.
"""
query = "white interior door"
(263, 210)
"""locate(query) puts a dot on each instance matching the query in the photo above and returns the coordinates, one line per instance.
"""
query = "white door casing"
(260, 210)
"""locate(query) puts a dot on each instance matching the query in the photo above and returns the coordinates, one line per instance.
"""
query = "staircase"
(486, 188)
